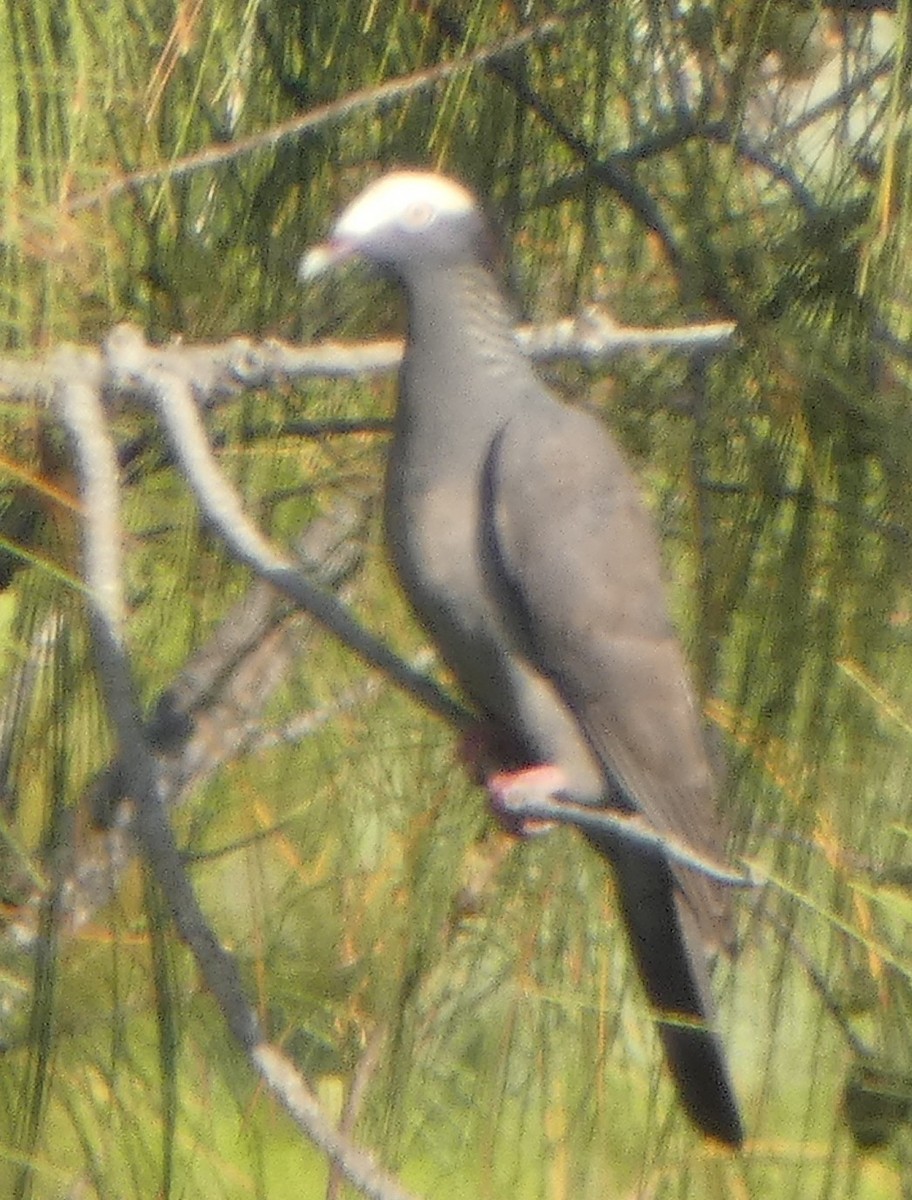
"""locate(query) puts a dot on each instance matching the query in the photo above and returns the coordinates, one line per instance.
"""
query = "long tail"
(671, 960)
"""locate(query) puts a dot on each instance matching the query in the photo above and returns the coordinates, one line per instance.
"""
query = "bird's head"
(405, 221)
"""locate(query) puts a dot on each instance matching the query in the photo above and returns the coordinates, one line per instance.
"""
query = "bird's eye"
(418, 216)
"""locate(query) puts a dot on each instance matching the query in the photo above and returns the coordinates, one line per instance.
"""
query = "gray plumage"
(519, 537)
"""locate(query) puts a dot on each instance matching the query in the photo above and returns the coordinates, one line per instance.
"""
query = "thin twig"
(369, 98)
(598, 821)
(606, 172)
(836, 100)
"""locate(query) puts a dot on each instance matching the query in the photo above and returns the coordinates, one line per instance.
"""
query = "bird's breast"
(432, 532)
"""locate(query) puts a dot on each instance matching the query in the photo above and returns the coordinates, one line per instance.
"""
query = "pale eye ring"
(417, 216)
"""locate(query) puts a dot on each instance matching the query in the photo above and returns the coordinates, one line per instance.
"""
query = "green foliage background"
(479, 989)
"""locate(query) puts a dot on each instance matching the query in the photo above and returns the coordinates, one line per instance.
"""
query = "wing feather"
(582, 593)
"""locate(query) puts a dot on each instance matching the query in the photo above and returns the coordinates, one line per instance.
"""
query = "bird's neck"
(460, 326)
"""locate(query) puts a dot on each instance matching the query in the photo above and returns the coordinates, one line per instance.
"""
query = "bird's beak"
(324, 257)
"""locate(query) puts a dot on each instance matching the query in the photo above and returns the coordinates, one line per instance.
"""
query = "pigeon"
(520, 539)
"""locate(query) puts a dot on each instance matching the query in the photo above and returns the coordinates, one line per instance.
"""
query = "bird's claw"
(508, 790)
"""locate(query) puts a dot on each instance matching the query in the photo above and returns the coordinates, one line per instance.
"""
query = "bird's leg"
(485, 749)
(492, 759)
(476, 752)
(508, 790)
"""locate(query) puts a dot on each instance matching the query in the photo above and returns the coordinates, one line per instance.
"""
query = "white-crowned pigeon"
(521, 541)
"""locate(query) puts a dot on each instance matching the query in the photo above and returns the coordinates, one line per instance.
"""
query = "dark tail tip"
(697, 1061)
(669, 953)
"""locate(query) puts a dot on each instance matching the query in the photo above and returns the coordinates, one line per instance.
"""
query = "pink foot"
(508, 789)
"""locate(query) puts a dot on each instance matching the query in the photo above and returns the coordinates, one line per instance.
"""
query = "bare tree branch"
(634, 828)
(209, 715)
(80, 405)
(217, 371)
(172, 397)
(595, 338)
